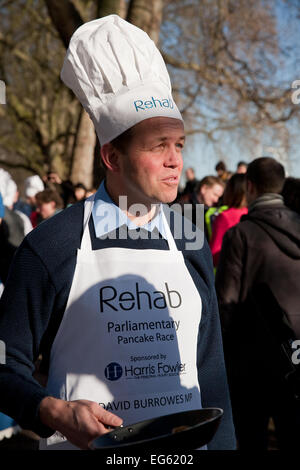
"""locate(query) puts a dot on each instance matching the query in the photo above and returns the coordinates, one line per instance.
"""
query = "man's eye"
(159, 146)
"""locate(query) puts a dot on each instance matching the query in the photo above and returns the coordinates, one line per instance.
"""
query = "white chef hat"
(8, 188)
(33, 185)
(118, 75)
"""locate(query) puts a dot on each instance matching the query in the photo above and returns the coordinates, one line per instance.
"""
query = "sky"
(202, 156)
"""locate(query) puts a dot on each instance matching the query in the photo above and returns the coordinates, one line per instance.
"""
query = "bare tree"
(225, 59)
(147, 16)
(38, 122)
(230, 66)
(67, 19)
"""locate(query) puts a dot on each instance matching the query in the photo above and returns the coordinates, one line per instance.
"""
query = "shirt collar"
(107, 216)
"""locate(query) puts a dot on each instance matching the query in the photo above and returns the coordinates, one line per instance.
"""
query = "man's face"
(211, 194)
(79, 194)
(241, 169)
(46, 209)
(151, 166)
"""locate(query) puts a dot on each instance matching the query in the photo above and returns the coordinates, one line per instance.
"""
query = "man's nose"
(174, 157)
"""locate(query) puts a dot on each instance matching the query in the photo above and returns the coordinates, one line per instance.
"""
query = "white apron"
(128, 337)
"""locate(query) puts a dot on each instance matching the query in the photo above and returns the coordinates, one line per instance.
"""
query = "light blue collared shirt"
(107, 216)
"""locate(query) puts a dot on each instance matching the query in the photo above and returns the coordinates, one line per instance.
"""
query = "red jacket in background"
(222, 223)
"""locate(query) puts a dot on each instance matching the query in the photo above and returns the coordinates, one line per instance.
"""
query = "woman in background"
(235, 198)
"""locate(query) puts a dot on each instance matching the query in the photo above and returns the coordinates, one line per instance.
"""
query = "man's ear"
(110, 157)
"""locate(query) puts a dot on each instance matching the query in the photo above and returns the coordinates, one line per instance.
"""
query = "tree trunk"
(83, 157)
(108, 7)
(65, 18)
(147, 16)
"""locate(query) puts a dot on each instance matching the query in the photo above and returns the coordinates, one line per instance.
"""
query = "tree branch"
(65, 18)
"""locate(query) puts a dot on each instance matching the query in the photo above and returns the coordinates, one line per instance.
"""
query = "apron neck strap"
(170, 239)
(86, 239)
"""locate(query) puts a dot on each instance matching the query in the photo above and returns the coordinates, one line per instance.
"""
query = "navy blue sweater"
(34, 301)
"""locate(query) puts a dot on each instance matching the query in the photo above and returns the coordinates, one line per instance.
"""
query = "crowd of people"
(252, 224)
(43, 198)
(116, 323)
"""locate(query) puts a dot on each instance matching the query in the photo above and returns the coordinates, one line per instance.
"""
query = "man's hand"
(80, 421)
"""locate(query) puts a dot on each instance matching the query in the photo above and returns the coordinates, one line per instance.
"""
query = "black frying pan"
(185, 430)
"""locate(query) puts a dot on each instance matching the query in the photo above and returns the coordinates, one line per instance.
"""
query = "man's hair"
(120, 143)
(235, 190)
(291, 193)
(48, 195)
(122, 140)
(266, 174)
(242, 163)
(220, 166)
(209, 181)
(80, 186)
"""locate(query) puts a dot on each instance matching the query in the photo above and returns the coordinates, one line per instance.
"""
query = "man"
(257, 286)
(210, 189)
(209, 192)
(241, 167)
(48, 203)
(222, 171)
(190, 186)
(125, 318)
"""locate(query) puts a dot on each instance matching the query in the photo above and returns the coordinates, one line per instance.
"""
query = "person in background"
(52, 177)
(1, 217)
(7, 424)
(257, 283)
(222, 171)
(191, 181)
(80, 191)
(1, 208)
(48, 203)
(208, 192)
(241, 167)
(291, 193)
(14, 224)
(187, 194)
(64, 188)
(10, 202)
(33, 185)
(234, 198)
